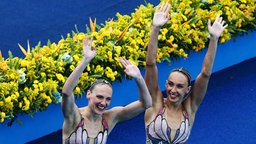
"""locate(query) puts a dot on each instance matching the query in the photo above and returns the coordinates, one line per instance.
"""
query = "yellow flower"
(30, 84)
(60, 78)
(2, 117)
(175, 27)
(20, 104)
(110, 56)
(88, 68)
(43, 74)
(3, 66)
(98, 69)
(27, 104)
(15, 96)
(110, 74)
(8, 103)
(1, 103)
(79, 37)
(77, 90)
(47, 99)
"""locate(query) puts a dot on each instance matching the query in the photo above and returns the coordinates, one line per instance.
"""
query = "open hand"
(161, 15)
(217, 27)
(129, 68)
(89, 51)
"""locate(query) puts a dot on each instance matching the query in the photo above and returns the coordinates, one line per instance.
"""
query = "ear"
(88, 94)
(166, 84)
(188, 90)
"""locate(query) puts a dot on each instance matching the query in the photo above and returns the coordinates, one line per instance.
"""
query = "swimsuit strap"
(81, 123)
(185, 114)
(161, 111)
(104, 123)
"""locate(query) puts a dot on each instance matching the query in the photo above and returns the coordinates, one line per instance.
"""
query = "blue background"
(227, 115)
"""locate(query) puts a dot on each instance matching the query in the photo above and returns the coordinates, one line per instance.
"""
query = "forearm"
(74, 77)
(152, 46)
(210, 56)
(68, 102)
(151, 74)
(144, 94)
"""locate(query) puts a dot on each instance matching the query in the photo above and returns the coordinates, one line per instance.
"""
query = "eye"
(170, 83)
(180, 86)
(99, 96)
(108, 99)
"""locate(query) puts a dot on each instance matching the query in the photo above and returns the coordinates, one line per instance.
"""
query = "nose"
(104, 103)
(173, 89)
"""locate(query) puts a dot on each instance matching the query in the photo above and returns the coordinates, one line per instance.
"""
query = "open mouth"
(172, 95)
(101, 107)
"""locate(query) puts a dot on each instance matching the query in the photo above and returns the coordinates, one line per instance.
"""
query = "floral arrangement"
(30, 84)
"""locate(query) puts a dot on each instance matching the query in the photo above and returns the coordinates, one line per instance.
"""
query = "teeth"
(101, 107)
(173, 95)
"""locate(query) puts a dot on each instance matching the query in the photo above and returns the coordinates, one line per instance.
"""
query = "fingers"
(218, 20)
(168, 6)
(85, 41)
(91, 41)
(157, 8)
(209, 23)
(164, 8)
(225, 26)
(125, 62)
(88, 41)
(222, 22)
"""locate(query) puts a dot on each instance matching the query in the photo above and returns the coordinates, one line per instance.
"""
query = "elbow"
(66, 93)
(148, 104)
(206, 73)
(150, 62)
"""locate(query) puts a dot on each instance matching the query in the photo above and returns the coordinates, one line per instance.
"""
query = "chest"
(168, 129)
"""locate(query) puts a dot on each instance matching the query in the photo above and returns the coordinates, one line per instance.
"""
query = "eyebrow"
(177, 84)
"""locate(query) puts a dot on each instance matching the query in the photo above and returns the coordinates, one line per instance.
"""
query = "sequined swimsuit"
(158, 131)
(80, 135)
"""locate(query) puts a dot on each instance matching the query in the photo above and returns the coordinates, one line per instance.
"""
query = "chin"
(176, 99)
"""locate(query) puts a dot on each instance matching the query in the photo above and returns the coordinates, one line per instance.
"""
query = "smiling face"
(177, 87)
(99, 98)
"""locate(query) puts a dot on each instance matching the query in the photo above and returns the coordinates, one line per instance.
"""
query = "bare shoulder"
(111, 117)
(187, 106)
(113, 111)
(70, 124)
(151, 112)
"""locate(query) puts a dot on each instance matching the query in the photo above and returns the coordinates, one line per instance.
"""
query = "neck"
(90, 115)
(173, 106)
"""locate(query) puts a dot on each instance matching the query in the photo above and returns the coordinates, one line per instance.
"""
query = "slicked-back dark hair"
(101, 82)
(184, 72)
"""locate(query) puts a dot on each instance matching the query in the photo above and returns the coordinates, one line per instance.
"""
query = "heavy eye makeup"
(99, 96)
(102, 97)
(171, 84)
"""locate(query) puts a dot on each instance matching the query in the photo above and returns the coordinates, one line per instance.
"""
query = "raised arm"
(69, 108)
(201, 82)
(133, 109)
(161, 16)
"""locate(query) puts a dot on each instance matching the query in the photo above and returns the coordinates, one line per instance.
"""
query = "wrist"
(87, 59)
(138, 77)
(156, 27)
(213, 38)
